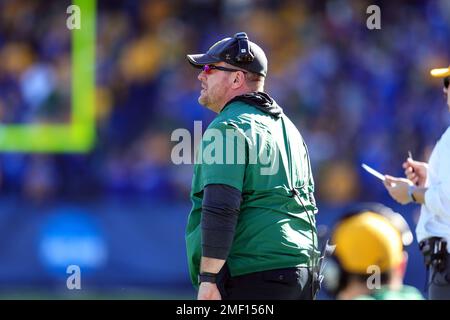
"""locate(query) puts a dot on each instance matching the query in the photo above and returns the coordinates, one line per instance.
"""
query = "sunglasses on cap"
(207, 68)
(446, 82)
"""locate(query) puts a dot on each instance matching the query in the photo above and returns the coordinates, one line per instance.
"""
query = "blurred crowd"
(356, 95)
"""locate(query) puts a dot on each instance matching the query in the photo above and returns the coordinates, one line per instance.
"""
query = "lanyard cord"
(313, 258)
(295, 193)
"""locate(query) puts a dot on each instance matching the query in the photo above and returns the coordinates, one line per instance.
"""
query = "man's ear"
(404, 263)
(238, 80)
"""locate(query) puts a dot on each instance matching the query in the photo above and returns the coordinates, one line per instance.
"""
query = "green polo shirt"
(262, 156)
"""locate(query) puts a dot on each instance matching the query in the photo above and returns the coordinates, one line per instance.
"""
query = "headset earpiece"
(244, 54)
(335, 277)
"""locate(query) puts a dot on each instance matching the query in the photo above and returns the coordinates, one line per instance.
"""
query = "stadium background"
(119, 211)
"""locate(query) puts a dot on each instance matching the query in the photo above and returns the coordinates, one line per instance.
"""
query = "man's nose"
(201, 76)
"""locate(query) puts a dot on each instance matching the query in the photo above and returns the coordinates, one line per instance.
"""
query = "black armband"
(220, 212)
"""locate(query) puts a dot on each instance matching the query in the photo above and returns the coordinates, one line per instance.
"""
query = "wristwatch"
(411, 190)
(207, 277)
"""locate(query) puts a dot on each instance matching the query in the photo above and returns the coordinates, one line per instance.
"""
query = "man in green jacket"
(251, 231)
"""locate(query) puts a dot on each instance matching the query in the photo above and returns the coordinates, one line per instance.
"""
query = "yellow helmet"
(367, 239)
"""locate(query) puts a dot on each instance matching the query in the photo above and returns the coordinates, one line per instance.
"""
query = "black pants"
(439, 283)
(437, 259)
(279, 284)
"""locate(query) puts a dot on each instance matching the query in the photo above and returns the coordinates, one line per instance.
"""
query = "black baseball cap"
(237, 51)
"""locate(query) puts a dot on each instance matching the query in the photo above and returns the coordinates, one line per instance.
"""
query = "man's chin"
(203, 101)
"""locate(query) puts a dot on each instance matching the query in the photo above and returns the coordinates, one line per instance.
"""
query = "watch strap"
(207, 277)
